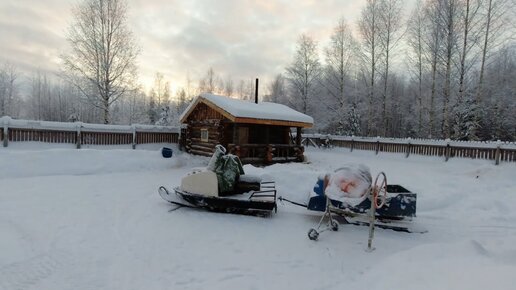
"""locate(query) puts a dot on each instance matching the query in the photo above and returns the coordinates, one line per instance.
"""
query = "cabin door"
(243, 138)
(243, 135)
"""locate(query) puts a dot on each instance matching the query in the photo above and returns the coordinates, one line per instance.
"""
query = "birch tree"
(433, 39)
(448, 17)
(210, 82)
(469, 40)
(304, 73)
(159, 98)
(389, 35)
(9, 98)
(368, 27)
(415, 41)
(229, 86)
(277, 90)
(340, 55)
(495, 25)
(101, 62)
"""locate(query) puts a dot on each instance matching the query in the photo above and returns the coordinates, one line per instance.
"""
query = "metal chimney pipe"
(256, 92)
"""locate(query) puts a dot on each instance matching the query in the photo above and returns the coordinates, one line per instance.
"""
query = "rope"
(292, 202)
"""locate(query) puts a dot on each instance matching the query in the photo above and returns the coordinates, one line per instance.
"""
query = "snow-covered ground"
(92, 219)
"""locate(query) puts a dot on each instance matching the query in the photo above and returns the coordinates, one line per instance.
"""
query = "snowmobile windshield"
(352, 180)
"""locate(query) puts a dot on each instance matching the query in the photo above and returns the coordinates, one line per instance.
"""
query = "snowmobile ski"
(165, 194)
(250, 206)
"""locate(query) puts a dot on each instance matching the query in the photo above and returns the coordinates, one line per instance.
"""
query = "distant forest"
(448, 70)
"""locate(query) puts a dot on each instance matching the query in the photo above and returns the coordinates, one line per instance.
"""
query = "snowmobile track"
(24, 274)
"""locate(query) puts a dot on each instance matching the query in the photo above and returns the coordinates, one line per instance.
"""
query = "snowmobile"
(224, 187)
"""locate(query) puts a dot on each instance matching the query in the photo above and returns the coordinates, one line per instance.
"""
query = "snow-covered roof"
(238, 110)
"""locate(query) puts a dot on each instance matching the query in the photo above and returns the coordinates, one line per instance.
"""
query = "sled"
(375, 204)
(224, 187)
(400, 203)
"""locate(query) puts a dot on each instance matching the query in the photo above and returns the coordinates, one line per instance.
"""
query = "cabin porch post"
(235, 134)
(298, 136)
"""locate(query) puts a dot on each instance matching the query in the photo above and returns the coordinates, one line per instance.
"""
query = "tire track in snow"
(24, 274)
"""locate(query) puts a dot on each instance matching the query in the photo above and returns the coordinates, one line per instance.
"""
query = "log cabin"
(258, 133)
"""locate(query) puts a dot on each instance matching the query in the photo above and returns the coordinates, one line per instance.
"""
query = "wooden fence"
(497, 151)
(81, 134)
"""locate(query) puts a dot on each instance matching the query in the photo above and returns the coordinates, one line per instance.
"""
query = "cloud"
(239, 38)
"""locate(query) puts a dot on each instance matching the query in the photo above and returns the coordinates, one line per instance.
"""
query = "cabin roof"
(240, 111)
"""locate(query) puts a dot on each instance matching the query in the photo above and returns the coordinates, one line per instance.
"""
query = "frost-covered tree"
(497, 118)
(368, 26)
(352, 127)
(277, 90)
(389, 35)
(135, 105)
(245, 89)
(448, 15)
(229, 87)
(209, 84)
(159, 98)
(469, 24)
(464, 122)
(182, 101)
(304, 74)
(432, 43)
(341, 57)
(101, 62)
(9, 91)
(165, 116)
(415, 41)
(497, 28)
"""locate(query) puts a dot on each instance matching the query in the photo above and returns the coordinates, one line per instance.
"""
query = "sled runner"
(224, 187)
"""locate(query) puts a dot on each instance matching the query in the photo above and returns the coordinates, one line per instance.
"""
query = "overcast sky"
(239, 38)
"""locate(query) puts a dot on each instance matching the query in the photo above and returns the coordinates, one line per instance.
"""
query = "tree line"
(446, 71)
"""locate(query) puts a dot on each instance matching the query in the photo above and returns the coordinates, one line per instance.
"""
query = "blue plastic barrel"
(166, 152)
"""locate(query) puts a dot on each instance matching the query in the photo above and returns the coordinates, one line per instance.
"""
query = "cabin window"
(204, 135)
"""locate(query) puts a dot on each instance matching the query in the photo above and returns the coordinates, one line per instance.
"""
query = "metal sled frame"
(378, 188)
(313, 234)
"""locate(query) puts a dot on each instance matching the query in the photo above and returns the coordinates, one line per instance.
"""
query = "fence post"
(377, 144)
(497, 153)
(134, 136)
(6, 131)
(447, 150)
(408, 148)
(352, 143)
(78, 141)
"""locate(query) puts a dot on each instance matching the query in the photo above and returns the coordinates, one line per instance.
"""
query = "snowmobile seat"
(246, 183)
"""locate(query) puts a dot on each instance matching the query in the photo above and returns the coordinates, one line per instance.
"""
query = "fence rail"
(95, 134)
(83, 133)
(497, 151)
